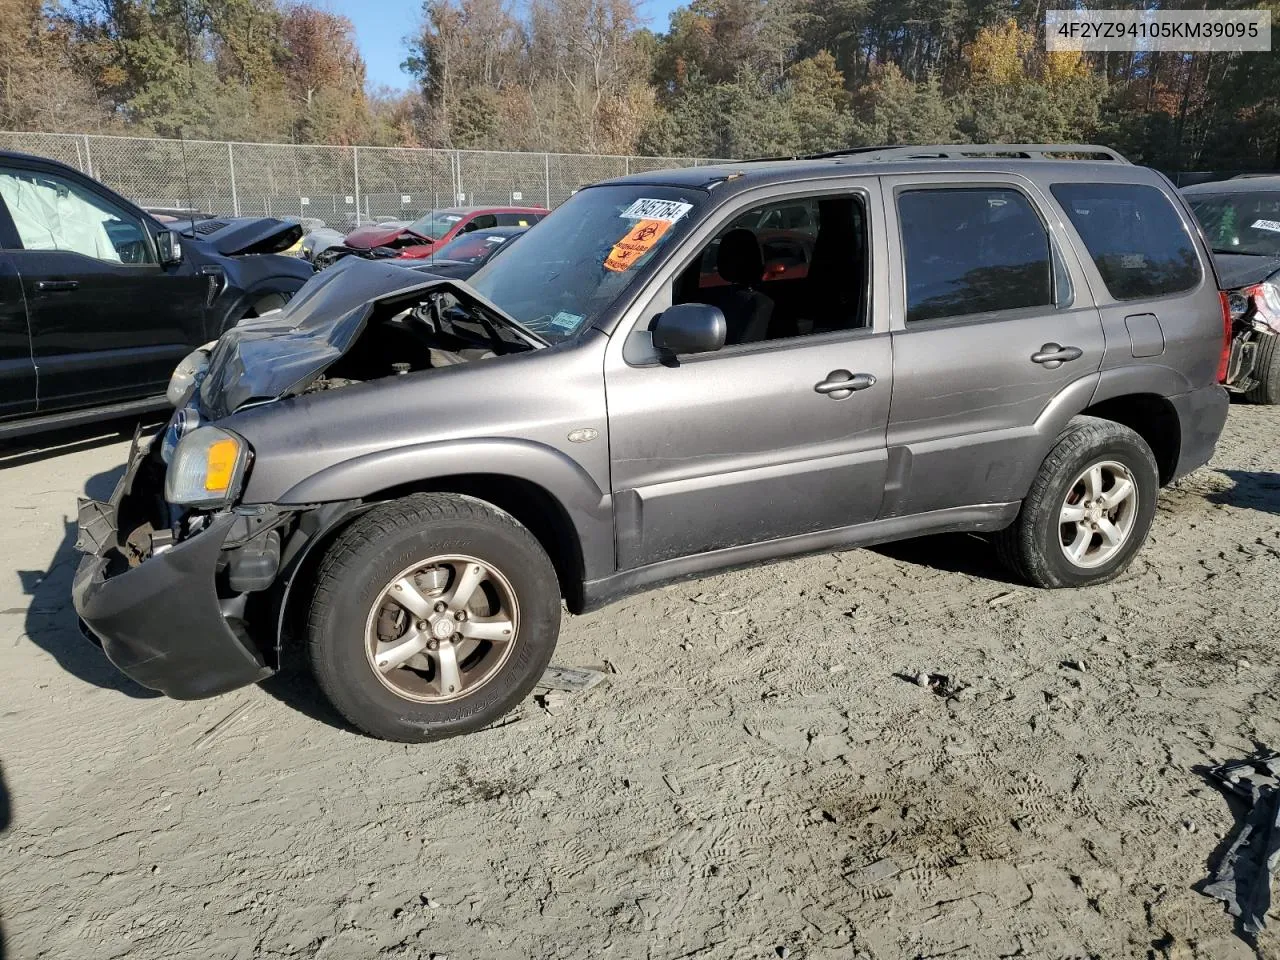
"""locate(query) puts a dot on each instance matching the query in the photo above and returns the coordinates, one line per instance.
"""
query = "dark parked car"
(1241, 218)
(99, 300)
(464, 255)
(410, 474)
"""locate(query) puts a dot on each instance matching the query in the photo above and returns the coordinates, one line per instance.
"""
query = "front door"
(108, 323)
(995, 321)
(17, 371)
(775, 436)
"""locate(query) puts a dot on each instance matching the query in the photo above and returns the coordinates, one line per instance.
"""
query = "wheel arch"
(529, 503)
(1152, 417)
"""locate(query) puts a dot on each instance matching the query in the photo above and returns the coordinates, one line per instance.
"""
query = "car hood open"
(281, 353)
(239, 236)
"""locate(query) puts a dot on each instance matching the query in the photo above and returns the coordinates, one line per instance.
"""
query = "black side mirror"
(169, 245)
(690, 328)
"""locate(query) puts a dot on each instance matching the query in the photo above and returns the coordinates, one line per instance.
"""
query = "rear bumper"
(1201, 415)
(162, 622)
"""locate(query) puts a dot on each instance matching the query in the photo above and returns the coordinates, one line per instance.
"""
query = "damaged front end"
(357, 322)
(181, 583)
(166, 590)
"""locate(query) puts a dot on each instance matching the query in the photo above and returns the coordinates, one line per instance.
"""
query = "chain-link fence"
(339, 185)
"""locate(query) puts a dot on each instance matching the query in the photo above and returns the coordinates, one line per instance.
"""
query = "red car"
(437, 227)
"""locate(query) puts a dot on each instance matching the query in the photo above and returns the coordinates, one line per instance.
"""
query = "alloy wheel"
(442, 628)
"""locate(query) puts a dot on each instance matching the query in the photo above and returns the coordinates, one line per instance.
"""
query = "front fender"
(589, 509)
(251, 278)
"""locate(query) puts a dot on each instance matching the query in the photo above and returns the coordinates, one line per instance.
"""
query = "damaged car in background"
(1241, 219)
(422, 238)
(402, 477)
(107, 298)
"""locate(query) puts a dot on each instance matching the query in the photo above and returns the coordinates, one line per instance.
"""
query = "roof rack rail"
(973, 151)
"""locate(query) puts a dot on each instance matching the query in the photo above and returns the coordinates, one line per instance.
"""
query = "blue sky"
(382, 25)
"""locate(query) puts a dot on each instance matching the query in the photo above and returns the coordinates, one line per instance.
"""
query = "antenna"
(186, 178)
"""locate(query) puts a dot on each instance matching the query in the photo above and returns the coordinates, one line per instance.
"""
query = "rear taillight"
(1263, 311)
(1225, 360)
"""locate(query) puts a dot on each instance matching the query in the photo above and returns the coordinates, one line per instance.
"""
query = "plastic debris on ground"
(1243, 877)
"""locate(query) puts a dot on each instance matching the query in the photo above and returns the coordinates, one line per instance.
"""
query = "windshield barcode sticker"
(1272, 225)
(669, 211)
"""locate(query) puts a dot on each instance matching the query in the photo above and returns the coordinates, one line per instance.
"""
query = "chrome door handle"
(841, 383)
(1053, 355)
(55, 286)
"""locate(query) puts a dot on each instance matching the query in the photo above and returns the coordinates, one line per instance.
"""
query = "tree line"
(726, 78)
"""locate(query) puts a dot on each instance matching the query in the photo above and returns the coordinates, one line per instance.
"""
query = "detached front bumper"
(162, 622)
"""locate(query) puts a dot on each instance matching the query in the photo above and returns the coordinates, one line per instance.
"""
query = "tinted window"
(785, 269)
(1240, 222)
(1134, 235)
(517, 219)
(53, 213)
(973, 251)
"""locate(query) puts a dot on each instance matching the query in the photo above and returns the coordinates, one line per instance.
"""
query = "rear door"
(992, 322)
(107, 322)
(17, 370)
(1159, 305)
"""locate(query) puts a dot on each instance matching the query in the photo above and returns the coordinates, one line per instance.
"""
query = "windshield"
(475, 247)
(435, 224)
(1240, 222)
(583, 254)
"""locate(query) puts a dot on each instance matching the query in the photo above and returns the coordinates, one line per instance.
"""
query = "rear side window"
(1135, 237)
(517, 219)
(970, 251)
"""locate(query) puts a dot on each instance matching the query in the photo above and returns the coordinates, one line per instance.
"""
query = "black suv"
(99, 300)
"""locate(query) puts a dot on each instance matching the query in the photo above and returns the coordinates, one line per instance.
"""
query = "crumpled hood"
(269, 357)
(380, 235)
(238, 236)
(1240, 270)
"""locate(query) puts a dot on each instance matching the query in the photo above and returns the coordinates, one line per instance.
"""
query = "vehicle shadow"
(966, 553)
(1250, 490)
(6, 817)
(51, 622)
(296, 688)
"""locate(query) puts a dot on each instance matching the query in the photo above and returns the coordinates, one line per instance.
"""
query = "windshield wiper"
(1246, 253)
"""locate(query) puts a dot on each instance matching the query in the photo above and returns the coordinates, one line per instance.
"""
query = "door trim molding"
(979, 518)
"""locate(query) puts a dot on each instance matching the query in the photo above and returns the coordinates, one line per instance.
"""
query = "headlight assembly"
(207, 469)
(185, 373)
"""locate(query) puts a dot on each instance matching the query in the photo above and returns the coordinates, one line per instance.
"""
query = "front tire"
(1089, 509)
(433, 616)
(1266, 370)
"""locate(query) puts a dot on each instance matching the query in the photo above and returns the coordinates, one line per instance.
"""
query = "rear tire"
(1089, 509)
(432, 616)
(1266, 371)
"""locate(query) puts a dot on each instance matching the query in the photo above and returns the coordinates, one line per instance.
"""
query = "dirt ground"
(758, 777)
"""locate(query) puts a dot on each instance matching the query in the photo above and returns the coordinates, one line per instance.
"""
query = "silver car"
(410, 475)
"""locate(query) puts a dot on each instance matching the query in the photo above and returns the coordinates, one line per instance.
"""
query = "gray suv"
(405, 477)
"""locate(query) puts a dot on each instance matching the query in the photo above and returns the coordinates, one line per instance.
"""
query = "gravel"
(725, 791)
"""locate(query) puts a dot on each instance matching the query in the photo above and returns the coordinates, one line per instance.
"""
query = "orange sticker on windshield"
(638, 241)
